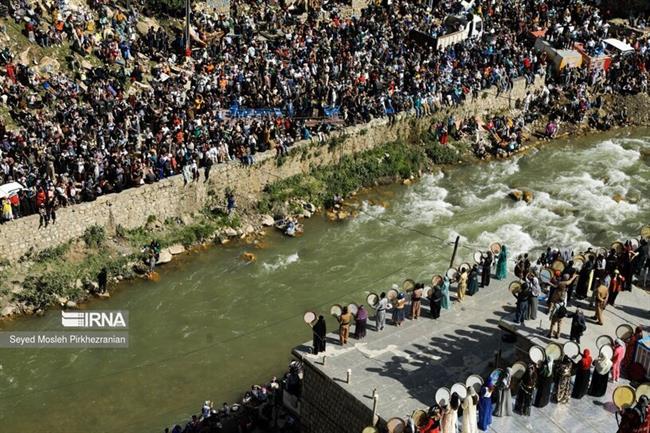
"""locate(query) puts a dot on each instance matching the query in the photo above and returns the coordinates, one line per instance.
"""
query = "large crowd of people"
(262, 409)
(263, 78)
(566, 283)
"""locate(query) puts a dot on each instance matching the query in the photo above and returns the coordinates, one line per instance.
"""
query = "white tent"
(618, 45)
(9, 189)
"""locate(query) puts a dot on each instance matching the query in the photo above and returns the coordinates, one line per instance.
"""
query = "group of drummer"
(463, 407)
(566, 276)
(394, 301)
(556, 372)
(469, 278)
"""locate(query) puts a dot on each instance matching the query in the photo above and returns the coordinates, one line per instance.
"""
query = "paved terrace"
(406, 365)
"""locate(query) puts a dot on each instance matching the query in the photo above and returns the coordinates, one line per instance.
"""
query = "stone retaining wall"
(171, 198)
(325, 407)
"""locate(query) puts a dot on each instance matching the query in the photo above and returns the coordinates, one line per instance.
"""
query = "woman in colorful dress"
(502, 259)
(462, 285)
(563, 380)
(472, 287)
(444, 288)
(485, 408)
(360, 322)
(470, 422)
(504, 405)
(617, 359)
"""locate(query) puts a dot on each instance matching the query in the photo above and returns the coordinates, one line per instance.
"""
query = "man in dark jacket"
(522, 303)
(435, 301)
(578, 326)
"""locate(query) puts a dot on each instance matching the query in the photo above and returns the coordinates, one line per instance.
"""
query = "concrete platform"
(406, 365)
(631, 307)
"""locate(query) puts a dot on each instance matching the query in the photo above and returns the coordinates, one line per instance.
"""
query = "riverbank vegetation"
(185, 231)
(391, 161)
(67, 274)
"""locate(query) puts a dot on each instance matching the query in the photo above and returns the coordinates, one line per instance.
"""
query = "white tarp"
(619, 45)
(9, 189)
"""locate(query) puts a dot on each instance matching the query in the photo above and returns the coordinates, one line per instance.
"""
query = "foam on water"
(612, 154)
(485, 176)
(451, 237)
(568, 202)
(470, 199)
(512, 235)
(519, 212)
(617, 177)
(281, 262)
(544, 200)
(369, 212)
(426, 203)
(595, 198)
(567, 234)
(643, 141)
(511, 167)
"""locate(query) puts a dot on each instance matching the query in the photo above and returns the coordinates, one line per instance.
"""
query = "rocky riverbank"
(66, 274)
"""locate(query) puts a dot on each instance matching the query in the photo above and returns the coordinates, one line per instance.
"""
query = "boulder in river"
(618, 198)
(9, 311)
(516, 195)
(309, 207)
(27, 309)
(338, 214)
(92, 286)
(176, 249)
(268, 221)
(164, 257)
(248, 257)
(528, 196)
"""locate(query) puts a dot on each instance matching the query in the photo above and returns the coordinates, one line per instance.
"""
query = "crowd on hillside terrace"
(133, 109)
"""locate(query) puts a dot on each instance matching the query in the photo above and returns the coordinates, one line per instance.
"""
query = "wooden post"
(453, 256)
(375, 403)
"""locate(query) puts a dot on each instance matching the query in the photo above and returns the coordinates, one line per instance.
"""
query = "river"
(213, 325)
